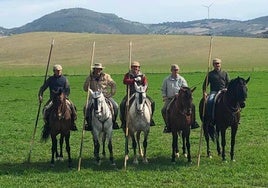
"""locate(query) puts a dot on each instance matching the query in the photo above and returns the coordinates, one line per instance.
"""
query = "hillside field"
(23, 62)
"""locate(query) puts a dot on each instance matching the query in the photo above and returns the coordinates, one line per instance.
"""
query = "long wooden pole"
(127, 108)
(204, 102)
(84, 122)
(40, 102)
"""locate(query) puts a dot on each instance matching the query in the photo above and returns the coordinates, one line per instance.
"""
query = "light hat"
(97, 66)
(216, 60)
(135, 64)
(57, 67)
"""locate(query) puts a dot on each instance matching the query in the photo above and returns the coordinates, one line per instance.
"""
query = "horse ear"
(192, 90)
(247, 80)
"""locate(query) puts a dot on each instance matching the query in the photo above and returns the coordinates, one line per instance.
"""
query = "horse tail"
(45, 134)
(212, 131)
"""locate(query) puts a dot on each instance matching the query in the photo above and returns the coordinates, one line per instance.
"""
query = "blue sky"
(15, 13)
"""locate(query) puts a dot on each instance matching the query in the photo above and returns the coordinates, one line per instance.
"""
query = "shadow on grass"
(157, 163)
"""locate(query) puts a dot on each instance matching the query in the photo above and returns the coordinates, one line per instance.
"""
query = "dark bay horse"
(139, 114)
(179, 118)
(228, 106)
(60, 123)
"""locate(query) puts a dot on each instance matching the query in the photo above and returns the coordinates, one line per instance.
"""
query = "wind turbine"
(208, 7)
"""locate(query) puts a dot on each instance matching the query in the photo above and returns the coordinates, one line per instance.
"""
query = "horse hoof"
(177, 155)
(233, 160)
(113, 164)
(145, 161)
(60, 159)
(185, 155)
(135, 161)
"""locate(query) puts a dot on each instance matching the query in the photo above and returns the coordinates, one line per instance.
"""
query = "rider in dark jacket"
(55, 83)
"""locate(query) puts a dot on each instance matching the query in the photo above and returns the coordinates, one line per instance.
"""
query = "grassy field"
(28, 52)
(22, 68)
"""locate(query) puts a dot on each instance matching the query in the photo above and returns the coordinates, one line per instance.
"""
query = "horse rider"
(134, 75)
(218, 80)
(97, 80)
(170, 88)
(54, 83)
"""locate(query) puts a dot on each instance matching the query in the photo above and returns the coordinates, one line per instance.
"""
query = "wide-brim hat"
(57, 67)
(97, 66)
(135, 64)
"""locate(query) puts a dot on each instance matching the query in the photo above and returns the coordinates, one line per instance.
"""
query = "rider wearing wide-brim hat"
(97, 80)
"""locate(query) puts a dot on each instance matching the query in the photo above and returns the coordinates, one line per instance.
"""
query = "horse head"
(237, 89)
(97, 99)
(140, 97)
(184, 100)
(59, 102)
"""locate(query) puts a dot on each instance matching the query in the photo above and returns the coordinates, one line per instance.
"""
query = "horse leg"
(207, 140)
(174, 145)
(223, 144)
(68, 149)
(53, 149)
(134, 146)
(188, 145)
(233, 134)
(184, 144)
(103, 144)
(218, 143)
(110, 147)
(60, 156)
(96, 150)
(138, 135)
(145, 160)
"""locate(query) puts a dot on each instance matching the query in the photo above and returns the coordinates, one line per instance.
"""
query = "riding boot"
(73, 125)
(88, 126)
(115, 125)
(167, 127)
(194, 125)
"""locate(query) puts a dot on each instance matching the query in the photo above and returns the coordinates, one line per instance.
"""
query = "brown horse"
(60, 123)
(228, 106)
(179, 117)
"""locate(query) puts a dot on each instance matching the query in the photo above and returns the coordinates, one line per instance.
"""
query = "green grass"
(23, 63)
(19, 107)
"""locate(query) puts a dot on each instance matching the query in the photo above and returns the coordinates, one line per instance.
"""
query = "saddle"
(212, 103)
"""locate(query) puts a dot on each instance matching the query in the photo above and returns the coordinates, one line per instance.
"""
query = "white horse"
(139, 115)
(102, 124)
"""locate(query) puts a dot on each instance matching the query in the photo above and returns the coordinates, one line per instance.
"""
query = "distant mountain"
(82, 20)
